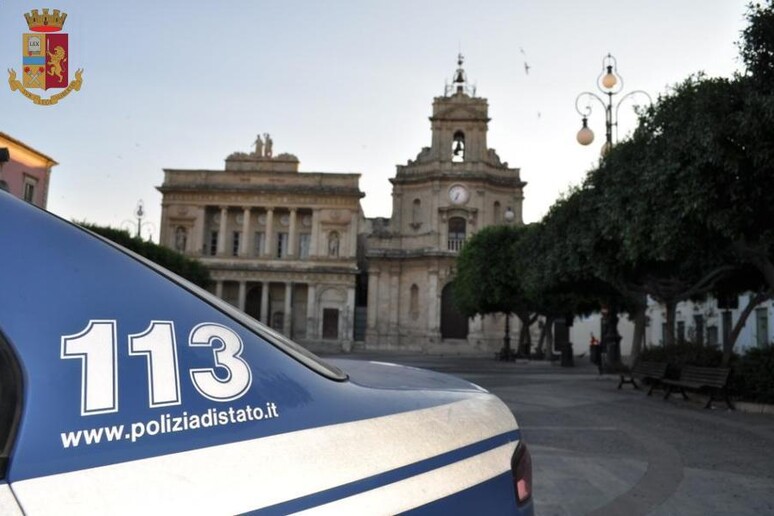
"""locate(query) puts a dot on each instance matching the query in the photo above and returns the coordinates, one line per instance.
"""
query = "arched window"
(456, 233)
(416, 214)
(414, 302)
(458, 147)
(181, 239)
(497, 213)
(333, 244)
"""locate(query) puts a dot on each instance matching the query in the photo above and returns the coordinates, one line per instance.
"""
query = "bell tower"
(451, 190)
(459, 122)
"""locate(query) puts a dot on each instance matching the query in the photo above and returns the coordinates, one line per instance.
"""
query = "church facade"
(293, 249)
(453, 188)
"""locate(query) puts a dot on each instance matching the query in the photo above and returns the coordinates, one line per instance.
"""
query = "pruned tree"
(188, 268)
(489, 276)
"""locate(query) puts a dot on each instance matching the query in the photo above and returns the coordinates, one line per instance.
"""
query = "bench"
(653, 372)
(710, 379)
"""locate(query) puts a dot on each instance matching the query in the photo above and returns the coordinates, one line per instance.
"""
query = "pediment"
(461, 113)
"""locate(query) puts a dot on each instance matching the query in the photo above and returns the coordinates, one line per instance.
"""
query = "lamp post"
(609, 83)
(506, 353)
(139, 214)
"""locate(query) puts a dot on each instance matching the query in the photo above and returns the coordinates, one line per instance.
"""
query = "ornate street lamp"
(609, 83)
(506, 353)
(139, 214)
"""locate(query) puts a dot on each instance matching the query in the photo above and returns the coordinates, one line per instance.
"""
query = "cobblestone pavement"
(602, 451)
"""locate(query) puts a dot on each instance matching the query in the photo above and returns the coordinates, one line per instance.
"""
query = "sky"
(345, 85)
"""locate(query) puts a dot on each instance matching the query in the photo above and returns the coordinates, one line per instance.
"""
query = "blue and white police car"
(126, 390)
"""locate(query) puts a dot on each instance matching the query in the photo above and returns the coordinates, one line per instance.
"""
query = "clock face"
(458, 194)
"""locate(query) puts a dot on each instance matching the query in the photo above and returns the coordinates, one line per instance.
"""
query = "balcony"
(455, 244)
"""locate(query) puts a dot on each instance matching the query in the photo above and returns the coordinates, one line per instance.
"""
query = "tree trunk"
(611, 339)
(542, 339)
(671, 308)
(639, 332)
(550, 339)
(545, 334)
(728, 347)
(525, 340)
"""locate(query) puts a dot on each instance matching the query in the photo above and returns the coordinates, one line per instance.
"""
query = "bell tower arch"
(459, 122)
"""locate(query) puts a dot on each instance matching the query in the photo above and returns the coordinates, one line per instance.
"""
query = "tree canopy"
(681, 208)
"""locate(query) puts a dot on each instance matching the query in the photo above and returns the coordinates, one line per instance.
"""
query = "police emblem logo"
(45, 59)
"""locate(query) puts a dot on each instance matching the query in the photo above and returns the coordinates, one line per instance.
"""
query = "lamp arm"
(621, 100)
(587, 111)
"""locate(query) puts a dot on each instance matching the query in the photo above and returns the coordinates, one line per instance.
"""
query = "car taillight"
(521, 468)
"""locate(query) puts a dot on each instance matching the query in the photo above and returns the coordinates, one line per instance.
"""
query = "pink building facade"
(27, 172)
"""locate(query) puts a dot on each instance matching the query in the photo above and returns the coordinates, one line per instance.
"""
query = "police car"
(126, 390)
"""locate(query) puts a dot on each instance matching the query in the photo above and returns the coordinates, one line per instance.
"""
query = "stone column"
(198, 233)
(292, 233)
(394, 304)
(353, 235)
(314, 240)
(219, 289)
(265, 303)
(311, 307)
(242, 295)
(443, 230)
(373, 299)
(433, 325)
(269, 234)
(245, 242)
(434, 200)
(349, 321)
(397, 211)
(287, 319)
(222, 230)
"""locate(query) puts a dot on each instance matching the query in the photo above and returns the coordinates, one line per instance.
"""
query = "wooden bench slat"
(697, 378)
(652, 371)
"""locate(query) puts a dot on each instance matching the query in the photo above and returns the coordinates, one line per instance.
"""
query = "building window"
(330, 329)
(235, 243)
(333, 244)
(304, 242)
(458, 147)
(29, 189)
(414, 302)
(282, 245)
(260, 243)
(681, 331)
(181, 239)
(497, 213)
(213, 243)
(456, 233)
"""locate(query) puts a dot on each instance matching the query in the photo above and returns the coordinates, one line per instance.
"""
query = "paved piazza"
(597, 450)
